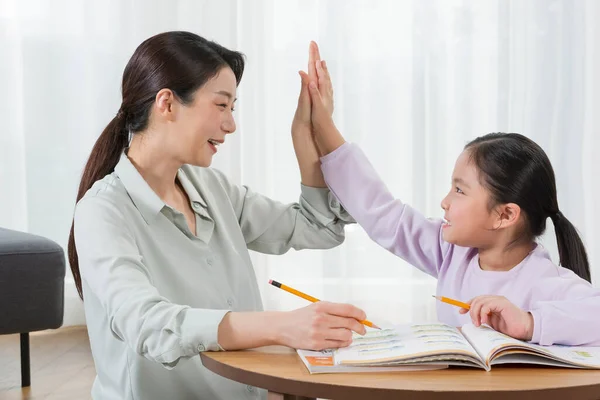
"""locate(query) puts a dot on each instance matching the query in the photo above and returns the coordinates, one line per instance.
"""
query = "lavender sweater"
(565, 308)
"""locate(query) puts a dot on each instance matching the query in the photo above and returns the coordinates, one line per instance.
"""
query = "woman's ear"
(507, 215)
(164, 103)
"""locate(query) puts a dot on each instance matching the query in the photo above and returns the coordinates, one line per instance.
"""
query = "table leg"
(279, 396)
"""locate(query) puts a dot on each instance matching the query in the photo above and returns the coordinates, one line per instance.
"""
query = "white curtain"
(414, 80)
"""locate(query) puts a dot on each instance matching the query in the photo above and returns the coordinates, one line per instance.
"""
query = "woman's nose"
(229, 125)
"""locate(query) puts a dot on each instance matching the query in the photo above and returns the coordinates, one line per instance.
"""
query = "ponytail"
(571, 250)
(179, 61)
(102, 161)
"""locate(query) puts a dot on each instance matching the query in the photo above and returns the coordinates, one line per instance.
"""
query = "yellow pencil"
(453, 302)
(312, 299)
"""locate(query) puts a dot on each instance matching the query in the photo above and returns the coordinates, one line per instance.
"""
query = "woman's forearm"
(247, 330)
(308, 160)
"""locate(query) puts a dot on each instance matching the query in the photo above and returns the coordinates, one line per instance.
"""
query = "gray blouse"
(155, 293)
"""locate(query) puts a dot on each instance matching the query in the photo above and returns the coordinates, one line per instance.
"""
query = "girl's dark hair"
(180, 61)
(516, 170)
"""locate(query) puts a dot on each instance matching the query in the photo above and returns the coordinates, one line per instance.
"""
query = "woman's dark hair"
(516, 170)
(179, 61)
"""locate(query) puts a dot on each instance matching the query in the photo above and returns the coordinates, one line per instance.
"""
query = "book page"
(321, 362)
(487, 341)
(407, 343)
(521, 358)
(498, 348)
(579, 356)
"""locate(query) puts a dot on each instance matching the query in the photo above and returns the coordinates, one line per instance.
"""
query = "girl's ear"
(507, 215)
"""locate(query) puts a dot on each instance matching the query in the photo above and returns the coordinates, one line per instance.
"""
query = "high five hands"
(317, 92)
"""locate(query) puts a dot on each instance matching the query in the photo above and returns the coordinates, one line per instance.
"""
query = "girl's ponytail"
(571, 250)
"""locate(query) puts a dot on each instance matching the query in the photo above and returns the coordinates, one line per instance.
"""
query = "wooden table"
(280, 371)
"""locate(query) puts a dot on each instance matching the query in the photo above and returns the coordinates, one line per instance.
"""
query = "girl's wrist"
(529, 326)
(331, 141)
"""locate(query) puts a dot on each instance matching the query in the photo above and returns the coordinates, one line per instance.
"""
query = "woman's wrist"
(246, 330)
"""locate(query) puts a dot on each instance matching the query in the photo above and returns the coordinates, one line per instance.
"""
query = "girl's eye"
(458, 190)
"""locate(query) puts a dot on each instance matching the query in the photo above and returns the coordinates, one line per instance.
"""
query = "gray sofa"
(32, 272)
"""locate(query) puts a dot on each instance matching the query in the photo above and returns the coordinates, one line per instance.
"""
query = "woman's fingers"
(351, 324)
(334, 344)
(304, 95)
(304, 80)
(313, 56)
(303, 110)
(343, 310)
(344, 316)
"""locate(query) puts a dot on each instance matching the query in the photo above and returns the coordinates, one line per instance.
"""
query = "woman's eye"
(458, 190)
(225, 106)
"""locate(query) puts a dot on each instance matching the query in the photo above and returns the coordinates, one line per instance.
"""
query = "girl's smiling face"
(469, 221)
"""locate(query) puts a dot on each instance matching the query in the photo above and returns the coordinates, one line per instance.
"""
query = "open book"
(436, 345)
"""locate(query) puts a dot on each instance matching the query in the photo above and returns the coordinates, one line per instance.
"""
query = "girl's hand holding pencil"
(497, 312)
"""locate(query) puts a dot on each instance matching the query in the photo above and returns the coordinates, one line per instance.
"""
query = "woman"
(159, 244)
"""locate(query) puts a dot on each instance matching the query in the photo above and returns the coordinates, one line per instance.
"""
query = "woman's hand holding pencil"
(321, 325)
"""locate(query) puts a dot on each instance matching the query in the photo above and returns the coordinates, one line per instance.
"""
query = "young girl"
(503, 191)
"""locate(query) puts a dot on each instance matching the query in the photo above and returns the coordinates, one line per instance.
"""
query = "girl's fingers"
(485, 311)
(324, 81)
(476, 311)
(315, 95)
(327, 76)
(320, 70)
